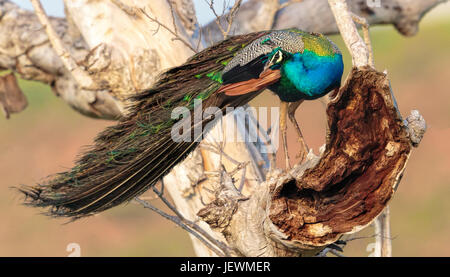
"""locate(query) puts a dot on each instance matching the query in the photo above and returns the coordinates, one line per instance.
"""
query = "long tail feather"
(133, 155)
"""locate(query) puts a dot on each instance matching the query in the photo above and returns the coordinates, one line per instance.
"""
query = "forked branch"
(356, 45)
(81, 76)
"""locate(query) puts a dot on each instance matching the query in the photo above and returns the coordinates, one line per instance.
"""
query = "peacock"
(131, 156)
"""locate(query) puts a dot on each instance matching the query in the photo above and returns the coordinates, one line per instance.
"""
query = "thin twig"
(285, 4)
(173, 17)
(80, 76)
(229, 18)
(217, 20)
(273, 156)
(262, 145)
(191, 224)
(176, 36)
(199, 42)
(344, 242)
(336, 253)
(180, 223)
(240, 166)
(216, 150)
(232, 14)
(366, 34)
(244, 130)
(323, 253)
(132, 11)
(162, 186)
(327, 250)
(383, 234)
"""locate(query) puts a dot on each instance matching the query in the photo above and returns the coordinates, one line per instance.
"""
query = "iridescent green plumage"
(133, 155)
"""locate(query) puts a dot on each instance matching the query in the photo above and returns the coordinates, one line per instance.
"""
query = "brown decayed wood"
(12, 99)
(367, 148)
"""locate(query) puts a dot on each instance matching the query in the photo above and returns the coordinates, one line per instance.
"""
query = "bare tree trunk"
(122, 46)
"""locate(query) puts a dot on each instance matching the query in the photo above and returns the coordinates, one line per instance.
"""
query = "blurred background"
(45, 138)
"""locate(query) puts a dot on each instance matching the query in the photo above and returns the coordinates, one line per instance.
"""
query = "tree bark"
(316, 16)
(298, 213)
(123, 45)
(124, 62)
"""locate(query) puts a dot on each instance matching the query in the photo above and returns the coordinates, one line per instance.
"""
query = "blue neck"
(309, 76)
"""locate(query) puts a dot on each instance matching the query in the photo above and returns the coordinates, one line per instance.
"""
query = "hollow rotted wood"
(366, 152)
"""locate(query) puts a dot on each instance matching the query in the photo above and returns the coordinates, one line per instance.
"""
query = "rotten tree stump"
(298, 213)
(366, 151)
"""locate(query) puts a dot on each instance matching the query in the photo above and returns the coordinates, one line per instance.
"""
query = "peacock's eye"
(277, 57)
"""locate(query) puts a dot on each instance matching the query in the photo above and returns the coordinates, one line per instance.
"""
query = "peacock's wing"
(133, 155)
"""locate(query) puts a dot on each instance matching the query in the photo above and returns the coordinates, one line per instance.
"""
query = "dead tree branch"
(81, 77)
(25, 49)
(121, 73)
(301, 212)
(12, 99)
(228, 17)
(356, 45)
(256, 212)
(316, 16)
(340, 192)
(214, 245)
(383, 234)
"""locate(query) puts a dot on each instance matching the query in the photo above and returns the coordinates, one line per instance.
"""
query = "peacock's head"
(299, 64)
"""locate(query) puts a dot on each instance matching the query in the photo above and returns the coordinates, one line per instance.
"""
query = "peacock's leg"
(283, 127)
(291, 113)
